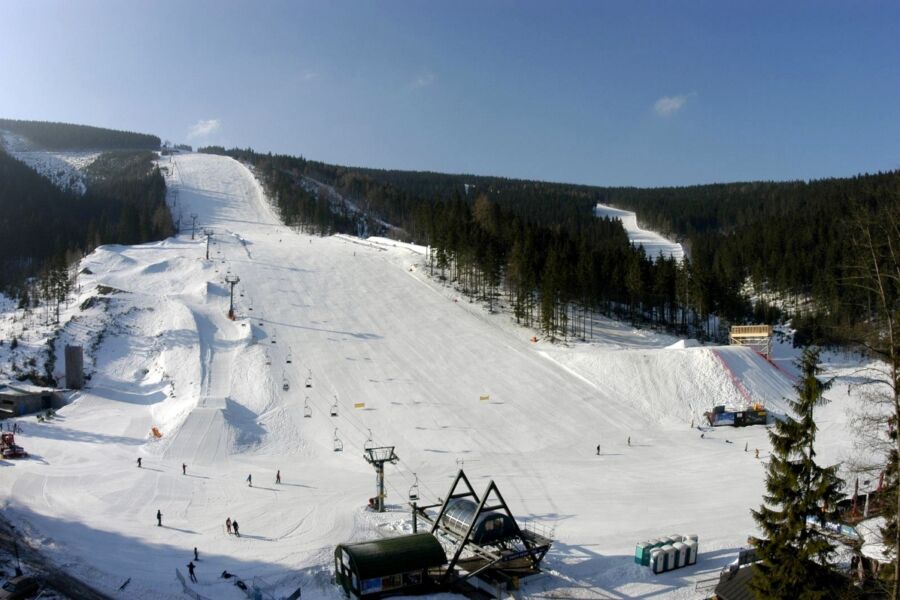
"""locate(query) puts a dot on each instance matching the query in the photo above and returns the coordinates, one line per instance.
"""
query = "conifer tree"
(793, 553)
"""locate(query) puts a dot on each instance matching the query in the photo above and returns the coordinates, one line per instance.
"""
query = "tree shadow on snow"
(88, 553)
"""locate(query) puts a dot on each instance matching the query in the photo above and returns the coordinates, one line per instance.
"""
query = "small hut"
(389, 566)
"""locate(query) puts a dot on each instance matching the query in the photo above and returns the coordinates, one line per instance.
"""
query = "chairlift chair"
(284, 382)
(369, 443)
(338, 444)
(307, 411)
(268, 358)
(334, 408)
(289, 357)
(309, 379)
(414, 490)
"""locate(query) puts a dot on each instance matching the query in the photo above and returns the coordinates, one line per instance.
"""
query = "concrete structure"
(74, 367)
(22, 399)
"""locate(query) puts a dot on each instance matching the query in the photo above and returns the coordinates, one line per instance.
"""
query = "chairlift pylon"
(334, 408)
(307, 410)
(414, 490)
(338, 444)
(369, 444)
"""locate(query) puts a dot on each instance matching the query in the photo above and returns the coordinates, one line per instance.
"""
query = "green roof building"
(389, 566)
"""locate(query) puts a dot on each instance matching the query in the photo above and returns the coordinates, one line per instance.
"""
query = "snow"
(653, 243)
(366, 320)
(64, 169)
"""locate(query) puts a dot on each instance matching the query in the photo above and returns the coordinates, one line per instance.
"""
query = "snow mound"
(681, 344)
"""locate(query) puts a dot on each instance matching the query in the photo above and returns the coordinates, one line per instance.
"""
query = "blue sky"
(608, 93)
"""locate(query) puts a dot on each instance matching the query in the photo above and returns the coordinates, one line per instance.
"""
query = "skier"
(598, 449)
(234, 525)
(757, 453)
(139, 462)
(158, 518)
(629, 440)
(190, 567)
(278, 476)
(183, 469)
(228, 525)
(196, 554)
(250, 480)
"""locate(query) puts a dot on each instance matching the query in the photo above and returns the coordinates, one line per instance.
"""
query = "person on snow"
(250, 480)
(278, 476)
(598, 449)
(139, 462)
(228, 525)
(196, 554)
(190, 567)
(158, 518)
(629, 440)
(183, 469)
(234, 525)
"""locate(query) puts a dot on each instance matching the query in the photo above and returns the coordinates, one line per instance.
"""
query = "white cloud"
(204, 128)
(423, 80)
(669, 105)
(310, 75)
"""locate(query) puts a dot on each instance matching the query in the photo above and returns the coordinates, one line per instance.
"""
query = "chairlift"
(338, 444)
(369, 443)
(268, 358)
(284, 382)
(289, 356)
(414, 490)
(309, 379)
(307, 411)
(334, 408)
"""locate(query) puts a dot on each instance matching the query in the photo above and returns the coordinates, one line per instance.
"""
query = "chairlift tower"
(377, 457)
(193, 224)
(231, 280)
(208, 233)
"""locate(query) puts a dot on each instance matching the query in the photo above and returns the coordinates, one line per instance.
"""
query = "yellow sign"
(359, 405)
(484, 397)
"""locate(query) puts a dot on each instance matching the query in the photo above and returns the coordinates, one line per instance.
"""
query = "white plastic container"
(681, 552)
(692, 552)
(657, 560)
(670, 557)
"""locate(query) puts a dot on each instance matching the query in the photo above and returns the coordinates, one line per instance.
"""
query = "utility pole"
(208, 233)
(377, 457)
(231, 280)
(193, 224)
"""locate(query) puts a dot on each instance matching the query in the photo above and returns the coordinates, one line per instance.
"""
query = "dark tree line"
(43, 228)
(64, 136)
(788, 241)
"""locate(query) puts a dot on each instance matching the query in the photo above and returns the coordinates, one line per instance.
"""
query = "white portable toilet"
(670, 558)
(676, 538)
(681, 551)
(657, 560)
(692, 550)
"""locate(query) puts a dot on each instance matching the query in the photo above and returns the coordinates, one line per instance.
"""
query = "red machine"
(8, 447)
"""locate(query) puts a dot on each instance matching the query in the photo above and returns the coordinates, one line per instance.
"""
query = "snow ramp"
(756, 378)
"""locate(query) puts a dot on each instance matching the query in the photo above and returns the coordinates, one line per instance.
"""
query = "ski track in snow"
(653, 243)
(373, 328)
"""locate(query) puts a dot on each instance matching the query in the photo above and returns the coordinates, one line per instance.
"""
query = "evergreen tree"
(793, 554)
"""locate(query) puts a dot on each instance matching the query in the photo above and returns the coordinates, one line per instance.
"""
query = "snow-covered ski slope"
(405, 359)
(653, 243)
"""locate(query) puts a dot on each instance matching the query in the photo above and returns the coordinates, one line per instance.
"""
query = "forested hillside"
(65, 136)
(43, 227)
(540, 242)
